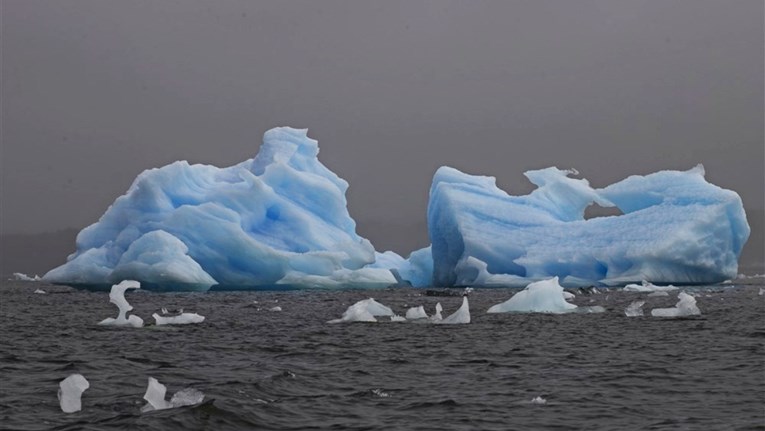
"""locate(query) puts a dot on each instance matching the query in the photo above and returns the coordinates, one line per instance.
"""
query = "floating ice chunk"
(686, 306)
(375, 308)
(544, 296)
(20, 276)
(646, 286)
(277, 308)
(675, 228)
(181, 319)
(70, 393)
(155, 397)
(659, 293)
(538, 400)
(437, 317)
(761, 292)
(634, 309)
(415, 313)
(397, 318)
(117, 297)
(258, 223)
(355, 314)
(461, 316)
(40, 292)
(568, 296)
(187, 397)
(364, 311)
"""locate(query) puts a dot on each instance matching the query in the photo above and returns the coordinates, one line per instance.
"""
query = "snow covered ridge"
(280, 220)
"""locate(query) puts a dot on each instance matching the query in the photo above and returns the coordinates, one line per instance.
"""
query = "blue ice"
(675, 228)
(278, 220)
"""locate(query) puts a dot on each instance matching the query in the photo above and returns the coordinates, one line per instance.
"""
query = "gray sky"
(94, 92)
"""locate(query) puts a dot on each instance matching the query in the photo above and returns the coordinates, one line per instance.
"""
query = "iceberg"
(276, 221)
(70, 393)
(686, 306)
(544, 296)
(675, 228)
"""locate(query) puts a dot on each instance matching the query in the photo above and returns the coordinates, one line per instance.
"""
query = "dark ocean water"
(261, 369)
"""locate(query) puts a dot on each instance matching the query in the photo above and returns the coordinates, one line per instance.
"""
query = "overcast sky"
(94, 92)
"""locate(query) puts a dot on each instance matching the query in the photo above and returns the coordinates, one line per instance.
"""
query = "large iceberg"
(276, 221)
(675, 228)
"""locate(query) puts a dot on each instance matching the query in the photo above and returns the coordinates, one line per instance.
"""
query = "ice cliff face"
(278, 218)
(676, 228)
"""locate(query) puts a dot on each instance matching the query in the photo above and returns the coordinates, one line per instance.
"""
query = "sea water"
(292, 370)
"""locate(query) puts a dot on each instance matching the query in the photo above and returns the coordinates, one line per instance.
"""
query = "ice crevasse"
(675, 228)
(278, 220)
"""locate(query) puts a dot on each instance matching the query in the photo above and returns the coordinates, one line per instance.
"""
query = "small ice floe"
(761, 292)
(416, 313)
(538, 400)
(635, 309)
(568, 296)
(155, 397)
(40, 292)
(277, 308)
(686, 306)
(379, 393)
(117, 297)
(397, 318)
(180, 319)
(658, 293)
(20, 276)
(437, 317)
(647, 286)
(545, 296)
(467, 291)
(461, 316)
(364, 311)
(70, 392)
